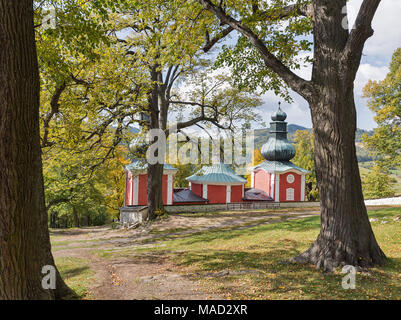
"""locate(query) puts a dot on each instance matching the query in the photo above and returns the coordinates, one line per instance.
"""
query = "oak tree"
(266, 54)
(24, 236)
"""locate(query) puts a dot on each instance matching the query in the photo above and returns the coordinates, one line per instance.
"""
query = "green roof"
(216, 173)
(278, 149)
(278, 166)
(140, 165)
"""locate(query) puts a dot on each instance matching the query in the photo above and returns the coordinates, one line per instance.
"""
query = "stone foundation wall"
(193, 208)
(132, 215)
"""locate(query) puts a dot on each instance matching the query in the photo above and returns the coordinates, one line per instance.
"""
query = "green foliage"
(287, 40)
(362, 154)
(385, 100)
(360, 132)
(184, 171)
(75, 195)
(304, 158)
(377, 183)
(96, 78)
(91, 91)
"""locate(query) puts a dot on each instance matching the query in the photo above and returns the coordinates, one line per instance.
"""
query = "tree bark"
(24, 235)
(76, 217)
(346, 236)
(155, 190)
(155, 171)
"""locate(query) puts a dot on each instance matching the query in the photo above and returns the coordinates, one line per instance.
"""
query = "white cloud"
(368, 72)
(387, 30)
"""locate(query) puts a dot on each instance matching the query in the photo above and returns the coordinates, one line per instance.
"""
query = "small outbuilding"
(218, 183)
(136, 180)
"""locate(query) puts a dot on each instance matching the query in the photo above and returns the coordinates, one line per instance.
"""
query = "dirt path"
(150, 275)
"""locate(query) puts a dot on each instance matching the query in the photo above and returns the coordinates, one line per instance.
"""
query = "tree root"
(328, 256)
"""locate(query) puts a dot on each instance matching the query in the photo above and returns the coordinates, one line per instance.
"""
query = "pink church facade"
(287, 186)
(136, 180)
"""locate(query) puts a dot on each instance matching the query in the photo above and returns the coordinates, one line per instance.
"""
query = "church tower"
(277, 175)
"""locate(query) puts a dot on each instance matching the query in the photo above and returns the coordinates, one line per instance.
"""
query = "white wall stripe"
(277, 188)
(272, 177)
(303, 187)
(135, 190)
(169, 189)
(228, 196)
(204, 192)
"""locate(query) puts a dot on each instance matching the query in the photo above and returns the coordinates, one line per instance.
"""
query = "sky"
(376, 58)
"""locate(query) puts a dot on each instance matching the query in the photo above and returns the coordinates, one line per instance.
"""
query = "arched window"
(289, 196)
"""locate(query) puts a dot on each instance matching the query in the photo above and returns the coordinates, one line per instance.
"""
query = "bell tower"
(277, 147)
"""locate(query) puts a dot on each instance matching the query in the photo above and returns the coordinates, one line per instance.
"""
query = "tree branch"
(202, 118)
(285, 13)
(54, 109)
(296, 83)
(361, 31)
(211, 42)
(289, 11)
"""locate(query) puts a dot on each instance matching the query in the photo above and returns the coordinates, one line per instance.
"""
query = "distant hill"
(360, 132)
(292, 128)
(261, 136)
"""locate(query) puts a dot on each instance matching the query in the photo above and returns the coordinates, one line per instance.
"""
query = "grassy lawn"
(262, 249)
(254, 256)
(77, 275)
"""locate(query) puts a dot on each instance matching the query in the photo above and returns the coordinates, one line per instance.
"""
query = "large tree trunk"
(346, 236)
(75, 217)
(155, 190)
(155, 171)
(24, 236)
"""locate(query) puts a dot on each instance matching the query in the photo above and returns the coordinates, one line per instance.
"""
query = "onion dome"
(280, 115)
(277, 147)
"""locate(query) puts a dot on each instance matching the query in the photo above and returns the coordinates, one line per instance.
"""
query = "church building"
(136, 179)
(218, 183)
(275, 179)
(281, 179)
